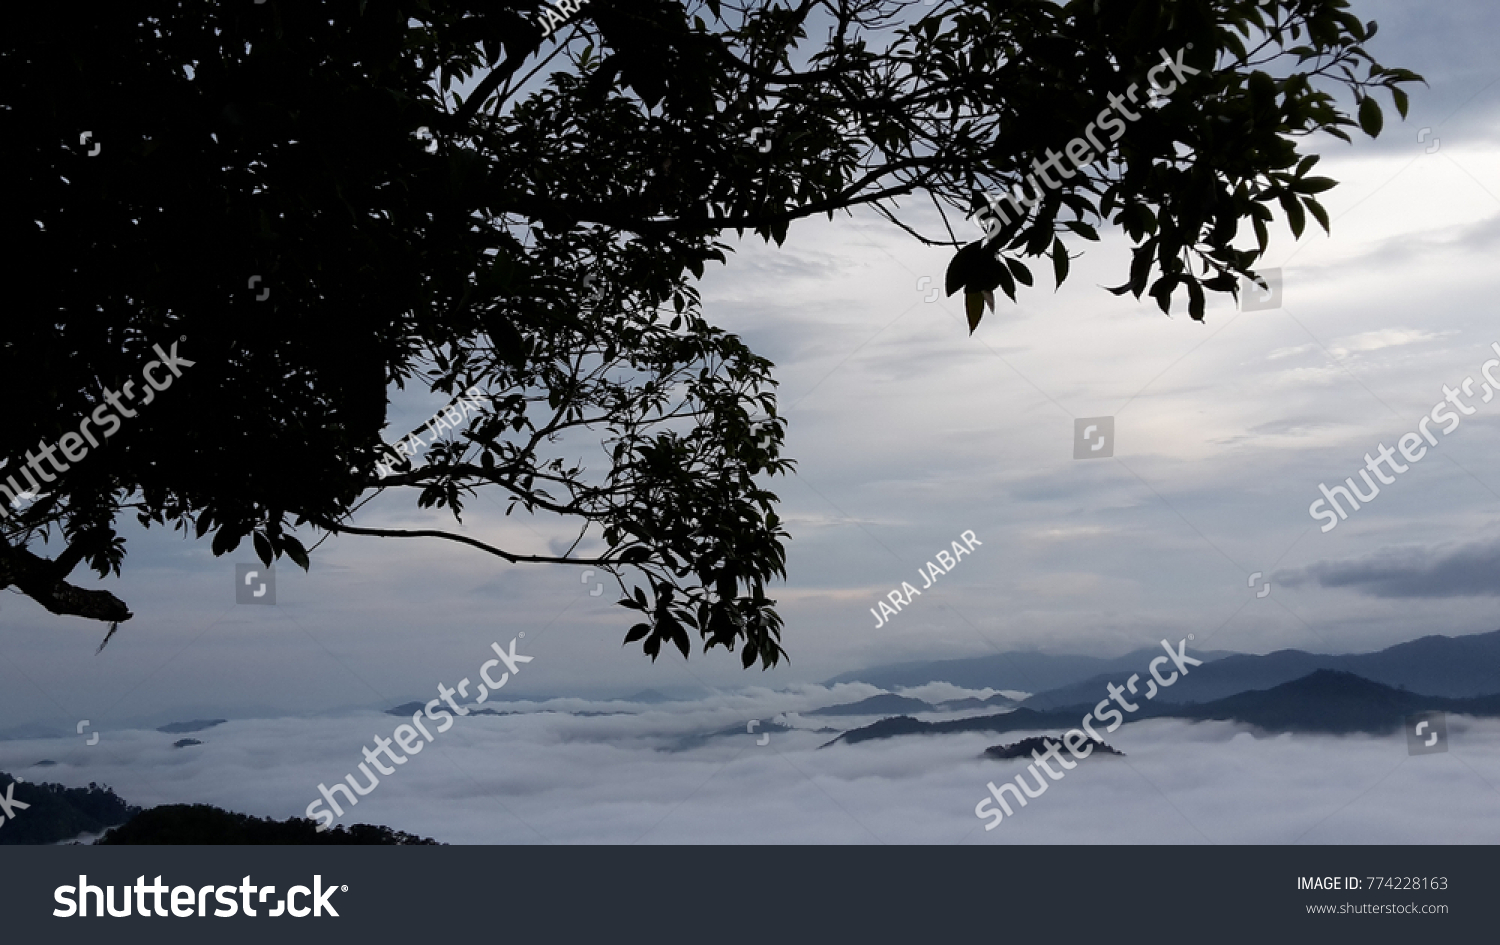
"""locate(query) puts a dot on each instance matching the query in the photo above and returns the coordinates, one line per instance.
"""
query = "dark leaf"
(1294, 215)
(1318, 213)
(295, 551)
(1370, 120)
(263, 548)
(974, 309)
(962, 267)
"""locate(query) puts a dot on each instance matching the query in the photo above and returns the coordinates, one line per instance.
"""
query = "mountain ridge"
(1436, 665)
(1326, 701)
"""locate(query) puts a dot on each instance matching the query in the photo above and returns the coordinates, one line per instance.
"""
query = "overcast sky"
(908, 432)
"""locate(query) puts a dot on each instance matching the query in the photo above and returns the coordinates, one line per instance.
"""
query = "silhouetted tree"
(315, 200)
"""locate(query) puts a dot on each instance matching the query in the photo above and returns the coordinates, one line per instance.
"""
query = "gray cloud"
(1468, 570)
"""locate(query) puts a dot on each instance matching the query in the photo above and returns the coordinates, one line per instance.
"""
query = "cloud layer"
(553, 778)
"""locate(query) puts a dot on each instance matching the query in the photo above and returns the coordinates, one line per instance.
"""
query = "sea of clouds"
(646, 774)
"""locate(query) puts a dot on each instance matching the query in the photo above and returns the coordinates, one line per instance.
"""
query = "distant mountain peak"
(1038, 743)
(883, 704)
(196, 725)
(1323, 702)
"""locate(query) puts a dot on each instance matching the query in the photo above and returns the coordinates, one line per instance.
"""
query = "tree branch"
(331, 526)
(36, 577)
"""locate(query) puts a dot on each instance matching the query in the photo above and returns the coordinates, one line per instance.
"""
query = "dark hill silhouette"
(198, 824)
(1026, 671)
(60, 813)
(1332, 702)
(996, 701)
(1022, 719)
(1038, 743)
(883, 704)
(1455, 667)
(1323, 702)
(196, 725)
